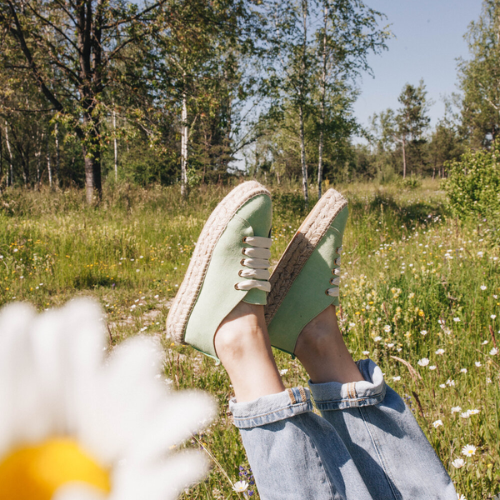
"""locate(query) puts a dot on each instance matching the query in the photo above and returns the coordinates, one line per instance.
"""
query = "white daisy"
(483, 287)
(440, 352)
(377, 339)
(465, 414)
(461, 497)
(458, 463)
(473, 412)
(463, 370)
(433, 367)
(455, 409)
(396, 379)
(437, 423)
(443, 386)
(456, 320)
(484, 342)
(493, 316)
(488, 380)
(240, 486)
(468, 450)
(478, 363)
(366, 353)
(104, 426)
(494, 352)
(423, 332)
(423, 362)
(284, 371)
(387, 328)
(450, 383)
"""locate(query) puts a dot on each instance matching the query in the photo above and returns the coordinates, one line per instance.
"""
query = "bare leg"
(321, 349)
(243, 346)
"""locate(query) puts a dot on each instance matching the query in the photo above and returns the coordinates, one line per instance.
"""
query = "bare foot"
(243, 346)
(321, 349)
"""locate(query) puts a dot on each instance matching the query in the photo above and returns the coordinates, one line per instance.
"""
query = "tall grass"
(417, 285)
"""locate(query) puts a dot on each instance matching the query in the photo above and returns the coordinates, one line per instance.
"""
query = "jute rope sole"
(187, 295)
(301, 247)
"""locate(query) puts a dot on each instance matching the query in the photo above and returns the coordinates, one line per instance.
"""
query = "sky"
(428, 40)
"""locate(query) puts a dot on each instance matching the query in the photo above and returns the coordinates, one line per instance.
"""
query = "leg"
(388, 447)
(293, 452)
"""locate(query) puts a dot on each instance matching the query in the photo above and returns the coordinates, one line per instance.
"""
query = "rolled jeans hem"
(338, 396)
(271, 408)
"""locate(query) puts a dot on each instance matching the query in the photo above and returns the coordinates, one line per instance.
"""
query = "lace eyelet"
(244, 239)
(242, 262)
(332, 281)
(333, 271)
(326, 292)
(243, 251)
(239, 273)
(236, 286)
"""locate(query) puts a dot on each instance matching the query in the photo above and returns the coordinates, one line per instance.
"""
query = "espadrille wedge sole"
(301, 247)
(214, 228)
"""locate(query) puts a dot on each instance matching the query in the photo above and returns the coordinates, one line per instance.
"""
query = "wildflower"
(390, 346)
(461, 497)
(473, 412)
(284, 371)
(112, 445)
(423, 332)
(411, 296)
(463, 370)
(494, 352)
(437, 423)
(443, 386)
(433, 367)
(493, 316)
(458, 463)
(352, 325)
(478, 363)
(465, 414)
(377, 339)
(387, 328)
(450, 383)
(396, 379)
(366, 353)
(484, 343)
(483, 287)
(468, 450)
(488, 380)
(423, 362)
(456, 320)
(240, 486)
(440, 352)
(455, 409)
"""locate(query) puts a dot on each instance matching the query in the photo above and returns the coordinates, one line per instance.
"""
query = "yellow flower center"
(36, 472)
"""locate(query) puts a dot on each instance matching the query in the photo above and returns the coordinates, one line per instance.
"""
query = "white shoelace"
(334, 292)
(257, 258)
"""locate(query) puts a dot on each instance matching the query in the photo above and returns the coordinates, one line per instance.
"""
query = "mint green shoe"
(306, 279)
(229, 264)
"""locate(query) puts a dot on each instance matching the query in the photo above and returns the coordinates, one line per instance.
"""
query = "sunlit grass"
(416, 285)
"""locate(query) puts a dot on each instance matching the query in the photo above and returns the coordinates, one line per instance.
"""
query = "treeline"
(194, 91)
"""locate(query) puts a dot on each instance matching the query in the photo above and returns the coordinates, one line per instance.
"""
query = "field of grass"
(420, 295)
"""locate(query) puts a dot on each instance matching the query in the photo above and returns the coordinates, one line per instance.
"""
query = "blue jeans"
(368, 445)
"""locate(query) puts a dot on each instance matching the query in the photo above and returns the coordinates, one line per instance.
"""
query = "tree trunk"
(115, 144)
(92, 155)
(322, 111)
(404, 157)
(10, 179)
(303, 157)
(184, 147)
(38, 164)
(1, 159)
(49, 166)
(57, 166)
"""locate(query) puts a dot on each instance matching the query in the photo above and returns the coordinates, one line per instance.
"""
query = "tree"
(349, 33)
(76, 53)
(412, 121)
(480, 78)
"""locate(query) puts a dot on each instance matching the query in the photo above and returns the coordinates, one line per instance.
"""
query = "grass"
(414, 281)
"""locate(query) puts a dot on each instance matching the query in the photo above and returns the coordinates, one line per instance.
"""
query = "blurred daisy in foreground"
(78, 426)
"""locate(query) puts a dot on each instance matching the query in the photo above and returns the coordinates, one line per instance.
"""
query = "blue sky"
(429, 39)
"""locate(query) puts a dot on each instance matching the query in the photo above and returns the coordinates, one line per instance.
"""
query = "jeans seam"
(323, 468)
(271, 412)
(363, 398)
(379, 454)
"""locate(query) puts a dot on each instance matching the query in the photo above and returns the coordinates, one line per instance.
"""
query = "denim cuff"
(337, 396)
(271, 408)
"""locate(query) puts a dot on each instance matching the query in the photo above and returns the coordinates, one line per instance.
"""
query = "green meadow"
(420, 294)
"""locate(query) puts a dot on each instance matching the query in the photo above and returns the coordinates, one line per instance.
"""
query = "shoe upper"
(315, 288)
(235, 265)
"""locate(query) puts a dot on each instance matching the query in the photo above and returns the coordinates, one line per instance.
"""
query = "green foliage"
(412, 182)
(473, 186)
